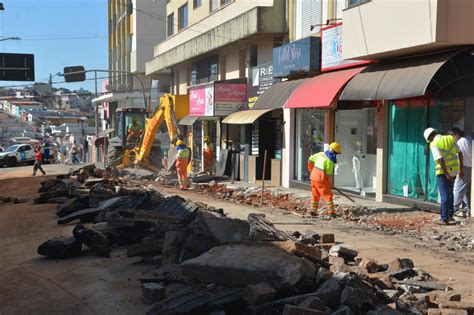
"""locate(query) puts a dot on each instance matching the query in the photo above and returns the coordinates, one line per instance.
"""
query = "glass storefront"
(309, 139)
(410, 171)
(356, 132)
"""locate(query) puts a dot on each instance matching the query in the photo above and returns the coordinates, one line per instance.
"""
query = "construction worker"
(462, 187)
(448, 164)
(183, 155)
(208, 153)
(134, 130)
(321, 165)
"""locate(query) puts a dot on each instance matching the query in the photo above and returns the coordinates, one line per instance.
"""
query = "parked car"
(18, 153)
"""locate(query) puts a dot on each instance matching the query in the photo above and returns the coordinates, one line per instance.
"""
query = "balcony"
(235, 21)
(381, 29)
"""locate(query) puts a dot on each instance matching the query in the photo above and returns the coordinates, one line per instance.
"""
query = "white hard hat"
(428, 132)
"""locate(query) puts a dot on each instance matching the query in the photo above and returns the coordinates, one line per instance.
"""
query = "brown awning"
(188, 120)
(245, 116)
(396, 79)
(277, 95)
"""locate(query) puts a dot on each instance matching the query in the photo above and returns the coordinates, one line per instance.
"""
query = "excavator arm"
(164, 112)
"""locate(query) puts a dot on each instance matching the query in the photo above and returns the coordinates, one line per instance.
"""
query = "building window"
(183, 17)
(253, 55)
(213, 5)
(225, 1)
(170, 24)
(242, 62)
(197, 3)
(204, 70)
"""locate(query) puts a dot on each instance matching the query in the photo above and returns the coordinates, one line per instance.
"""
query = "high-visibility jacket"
(449, 152)
(182, 152)
(319, 162)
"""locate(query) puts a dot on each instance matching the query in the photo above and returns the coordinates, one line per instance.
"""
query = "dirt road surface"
(91, 285)
(26, 171)
(31, 284)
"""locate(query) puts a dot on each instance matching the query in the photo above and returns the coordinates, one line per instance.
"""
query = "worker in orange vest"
(208, 153)
(321, 165)
(183, 155)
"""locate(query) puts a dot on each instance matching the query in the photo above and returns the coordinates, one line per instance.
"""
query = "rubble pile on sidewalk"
(416, 223)
(209, 263)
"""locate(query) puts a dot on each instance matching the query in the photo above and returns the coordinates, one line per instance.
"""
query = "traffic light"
(74, 74)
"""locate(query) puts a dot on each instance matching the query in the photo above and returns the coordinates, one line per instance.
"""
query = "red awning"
(322, 90)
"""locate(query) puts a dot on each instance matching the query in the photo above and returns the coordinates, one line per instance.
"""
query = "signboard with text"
(331, 50)
(229, 98)
(201, 100)
(297, 57)
(261, 79)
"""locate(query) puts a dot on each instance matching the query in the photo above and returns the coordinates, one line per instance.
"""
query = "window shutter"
(310, 15)
(316, 15)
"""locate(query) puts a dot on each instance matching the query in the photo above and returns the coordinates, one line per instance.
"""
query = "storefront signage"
(296, 57)
(331, 49)
(229, 98)
(201, 100)
(261, 79)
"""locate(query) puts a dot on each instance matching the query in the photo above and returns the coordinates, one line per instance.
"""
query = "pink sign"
(201, 101)
(230, 92)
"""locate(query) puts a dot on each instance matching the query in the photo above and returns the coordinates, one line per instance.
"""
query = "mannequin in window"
(356, 166)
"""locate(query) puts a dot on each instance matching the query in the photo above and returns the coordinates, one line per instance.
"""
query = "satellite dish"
(108, 87)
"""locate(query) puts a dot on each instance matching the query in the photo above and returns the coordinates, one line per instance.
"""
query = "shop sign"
(261, 79)
(331, 49)
(201, 100)
(229, 98)
(296, 57)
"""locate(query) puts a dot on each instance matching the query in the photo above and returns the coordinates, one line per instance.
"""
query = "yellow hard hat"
(179, 142)
(335, 147)
(206, 138)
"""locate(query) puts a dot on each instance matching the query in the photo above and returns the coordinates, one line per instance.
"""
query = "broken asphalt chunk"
(244, 264)
(95, 240)
(60, 247)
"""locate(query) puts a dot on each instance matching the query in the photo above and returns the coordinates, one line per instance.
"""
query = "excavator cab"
(129, 126)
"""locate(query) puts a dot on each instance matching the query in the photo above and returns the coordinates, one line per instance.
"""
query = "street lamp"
(10, 38)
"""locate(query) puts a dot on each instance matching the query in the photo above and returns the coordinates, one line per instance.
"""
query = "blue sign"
(297, 57)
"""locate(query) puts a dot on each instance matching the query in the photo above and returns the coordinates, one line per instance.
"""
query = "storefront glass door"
(356, 132)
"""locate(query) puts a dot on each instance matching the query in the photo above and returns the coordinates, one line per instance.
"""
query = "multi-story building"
(135, 26)
(210, 47)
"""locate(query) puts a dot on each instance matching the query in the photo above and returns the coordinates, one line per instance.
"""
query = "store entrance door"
(356, 132)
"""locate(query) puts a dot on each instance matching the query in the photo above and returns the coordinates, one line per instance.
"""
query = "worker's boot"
(331, 210)
(313, 212)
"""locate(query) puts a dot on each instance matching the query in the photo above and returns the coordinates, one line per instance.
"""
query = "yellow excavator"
(166, 111)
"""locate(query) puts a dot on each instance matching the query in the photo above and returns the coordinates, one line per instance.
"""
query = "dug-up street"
(121, 273)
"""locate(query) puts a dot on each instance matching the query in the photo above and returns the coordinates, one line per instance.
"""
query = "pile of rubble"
(418, 224)
(209, 263)
(6, 199)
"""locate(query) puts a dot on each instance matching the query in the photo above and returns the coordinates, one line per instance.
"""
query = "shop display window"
(410, 164)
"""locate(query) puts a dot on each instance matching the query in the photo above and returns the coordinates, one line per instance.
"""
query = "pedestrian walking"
(462, 186)
(448, 164)
(183, 155)
(37, 165)
(74, 151)
(321, 165)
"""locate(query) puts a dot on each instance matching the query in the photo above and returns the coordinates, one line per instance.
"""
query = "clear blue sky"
(59, 33)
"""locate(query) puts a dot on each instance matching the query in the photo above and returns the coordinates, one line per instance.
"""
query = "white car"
(18, 153)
